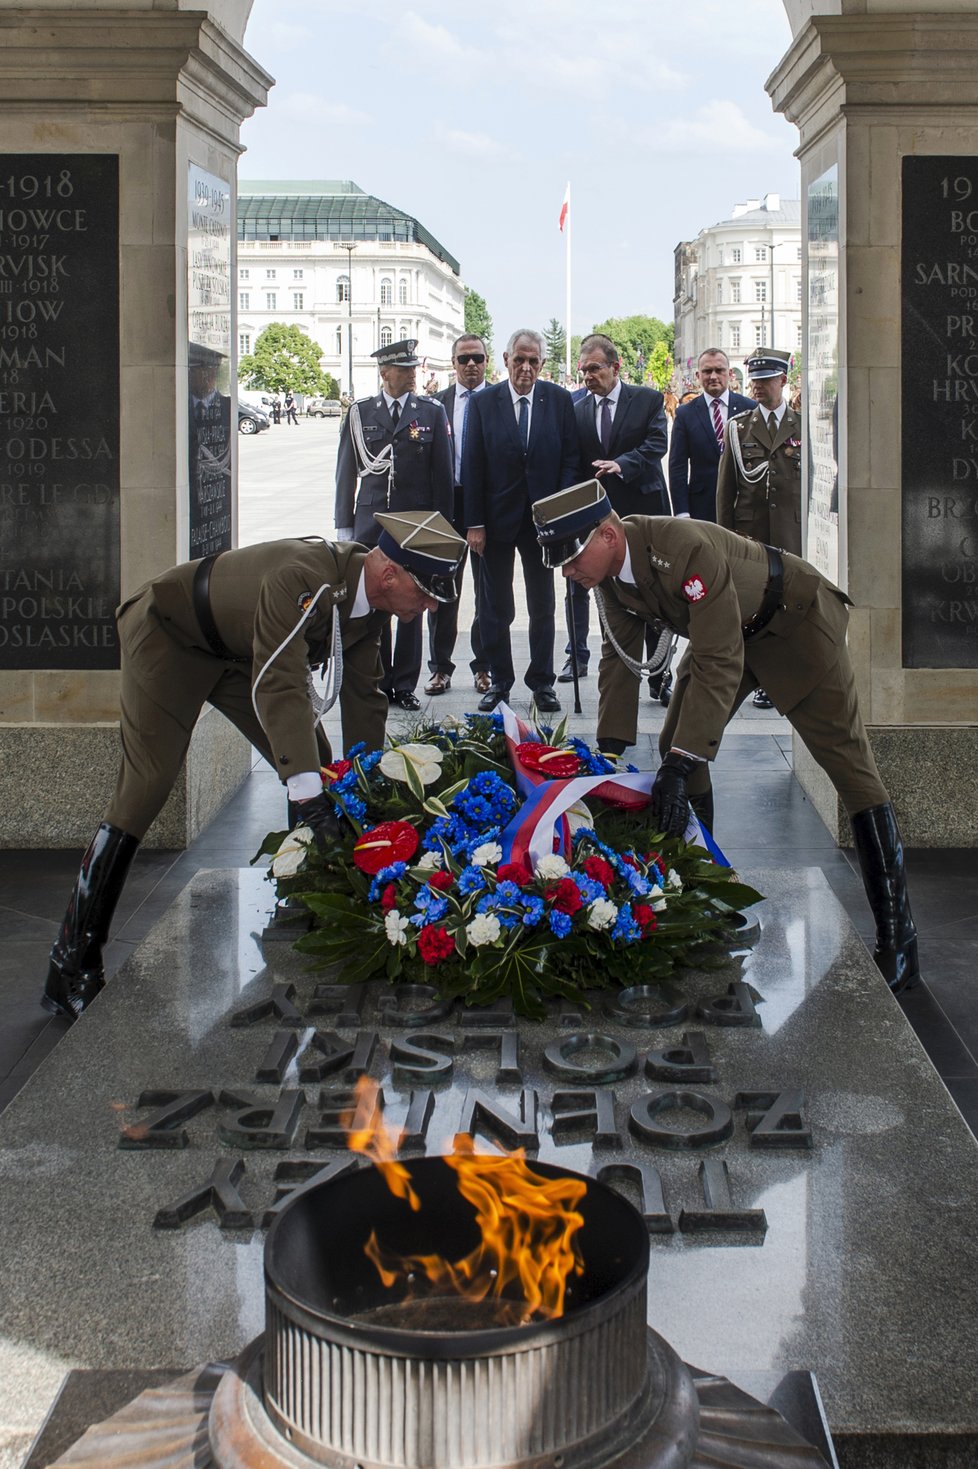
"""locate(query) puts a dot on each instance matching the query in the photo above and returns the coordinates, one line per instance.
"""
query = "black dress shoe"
(491, 698)
(566, 674)
(546, 701)
(761, 700)
(404, 699)
(665, 691)
(655, 685)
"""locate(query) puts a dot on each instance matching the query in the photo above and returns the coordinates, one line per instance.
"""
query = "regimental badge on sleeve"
(694, 589)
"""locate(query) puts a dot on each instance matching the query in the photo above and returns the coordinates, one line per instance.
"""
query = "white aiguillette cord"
(750, 475)
(658, 660)
(334, 674)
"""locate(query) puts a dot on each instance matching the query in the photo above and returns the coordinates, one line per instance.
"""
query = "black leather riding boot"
(879, 848)
(75, 974)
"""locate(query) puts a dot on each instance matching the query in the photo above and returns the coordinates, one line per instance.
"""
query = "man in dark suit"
(469, 356)
(697, 438)
(399, 447)
(623, 434)
(520, 446)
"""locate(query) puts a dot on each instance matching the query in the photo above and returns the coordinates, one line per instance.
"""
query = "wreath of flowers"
(417, 889)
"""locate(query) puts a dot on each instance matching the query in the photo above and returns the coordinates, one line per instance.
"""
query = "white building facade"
(352, 272)
(739, 284)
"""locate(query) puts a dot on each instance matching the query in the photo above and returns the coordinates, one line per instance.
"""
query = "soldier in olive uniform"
(399, 447)
(759, 479)
(752, 616)
(242, 631)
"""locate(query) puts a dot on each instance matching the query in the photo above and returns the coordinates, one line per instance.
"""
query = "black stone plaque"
(940, 412)
(59, 410)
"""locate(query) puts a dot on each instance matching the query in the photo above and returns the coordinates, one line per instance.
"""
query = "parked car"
(323, 408)
(251, 420)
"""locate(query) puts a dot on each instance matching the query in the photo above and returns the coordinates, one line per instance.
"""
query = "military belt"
(202, 611)
(773, 595)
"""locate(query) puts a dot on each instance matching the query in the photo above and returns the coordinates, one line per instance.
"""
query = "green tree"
(556, 341)
(576, 341)
(658, 369)
(636, 336)
(284, 357)
(794, 371)
(477, 318)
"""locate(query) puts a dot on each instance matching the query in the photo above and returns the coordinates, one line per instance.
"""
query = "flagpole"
(567, 316)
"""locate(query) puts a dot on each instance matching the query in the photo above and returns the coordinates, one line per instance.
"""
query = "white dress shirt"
(516, 397)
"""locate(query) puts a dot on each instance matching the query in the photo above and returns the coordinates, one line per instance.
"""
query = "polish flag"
(564, 209)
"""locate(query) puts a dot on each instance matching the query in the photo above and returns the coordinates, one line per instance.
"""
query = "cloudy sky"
(473, 119)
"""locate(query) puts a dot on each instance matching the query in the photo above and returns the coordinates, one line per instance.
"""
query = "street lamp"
(349, 303)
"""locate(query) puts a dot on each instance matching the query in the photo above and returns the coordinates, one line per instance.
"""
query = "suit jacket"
(769, 510)
(705, 582)
(694, 456)
(639, 435)
(256, 598)
(424, 476)
(500, 481)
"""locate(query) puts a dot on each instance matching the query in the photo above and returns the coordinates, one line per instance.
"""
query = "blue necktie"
(524, 423)
(461, 443)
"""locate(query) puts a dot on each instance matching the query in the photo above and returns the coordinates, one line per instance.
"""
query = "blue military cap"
(426, 545)
(566, 521)
(398, 354)
(768, 362)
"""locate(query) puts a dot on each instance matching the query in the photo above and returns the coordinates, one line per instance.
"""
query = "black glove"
(612, 747)
(322, 817)
(670, 800)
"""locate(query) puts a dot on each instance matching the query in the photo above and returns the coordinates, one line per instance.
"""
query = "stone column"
(885, 96)
(118, 145)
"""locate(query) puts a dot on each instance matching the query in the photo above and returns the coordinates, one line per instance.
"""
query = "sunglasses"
(465, 357)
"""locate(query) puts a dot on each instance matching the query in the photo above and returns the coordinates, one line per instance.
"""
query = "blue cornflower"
(560, 923)
(357, 749)
(386, 874)
(588, 887)
(533, 911)
(430, 906)
(471, 880)
(354, 806)
(370, 761)
(626, 929)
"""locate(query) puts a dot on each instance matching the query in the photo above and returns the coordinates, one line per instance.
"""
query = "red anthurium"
(337, 770)
(546, 760)
(381, 846)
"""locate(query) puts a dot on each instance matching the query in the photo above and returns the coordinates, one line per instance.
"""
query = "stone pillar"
(118, 148)
(885, 96)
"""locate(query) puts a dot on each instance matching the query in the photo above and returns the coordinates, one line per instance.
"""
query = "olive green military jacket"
(705, 582)
(769, 509)
(257, 597)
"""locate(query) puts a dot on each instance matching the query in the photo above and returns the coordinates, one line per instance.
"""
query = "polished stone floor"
(763, 820)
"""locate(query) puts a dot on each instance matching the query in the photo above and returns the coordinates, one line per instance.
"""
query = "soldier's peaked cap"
(398, 354)
(565, 522)
(425, 544)
(768, 362)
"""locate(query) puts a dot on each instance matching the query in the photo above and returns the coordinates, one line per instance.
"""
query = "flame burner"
(358, 1376)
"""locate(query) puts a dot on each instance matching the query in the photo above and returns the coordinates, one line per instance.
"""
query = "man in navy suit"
(697, 438)
(520, 446)
(469, 356)
(623, 435)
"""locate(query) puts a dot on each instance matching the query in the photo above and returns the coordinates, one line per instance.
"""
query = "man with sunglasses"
(469, 358)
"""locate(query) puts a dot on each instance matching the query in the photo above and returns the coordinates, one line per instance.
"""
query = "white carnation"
(601, 914)
(549, 868)
(292, 853)
(396, 928)
(484, 929)
(657, 899)
(429, 861)
(673, 880)
(488, 855)
(426, 760)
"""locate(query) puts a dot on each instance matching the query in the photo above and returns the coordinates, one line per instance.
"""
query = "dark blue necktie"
(395, 412)
(461, 443)
(605, 424)
(524, 423)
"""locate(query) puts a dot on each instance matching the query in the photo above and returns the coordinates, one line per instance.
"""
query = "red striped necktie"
(717, 423)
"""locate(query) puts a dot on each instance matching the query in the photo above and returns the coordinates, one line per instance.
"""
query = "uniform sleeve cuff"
(305, 785)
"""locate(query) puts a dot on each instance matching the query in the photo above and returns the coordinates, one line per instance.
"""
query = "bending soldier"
(752, 616)
(241, 631)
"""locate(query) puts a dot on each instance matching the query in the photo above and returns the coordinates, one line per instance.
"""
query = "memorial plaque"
(940, 412)
(822, 357)
(59, 410)
(209, 362)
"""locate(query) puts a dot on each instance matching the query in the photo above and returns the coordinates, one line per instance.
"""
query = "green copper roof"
(286, 209)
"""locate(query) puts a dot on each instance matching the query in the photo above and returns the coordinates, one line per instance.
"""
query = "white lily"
(292, 853)
(425, 760)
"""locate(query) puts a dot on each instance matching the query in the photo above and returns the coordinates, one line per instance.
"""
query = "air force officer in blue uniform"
(399, 447)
